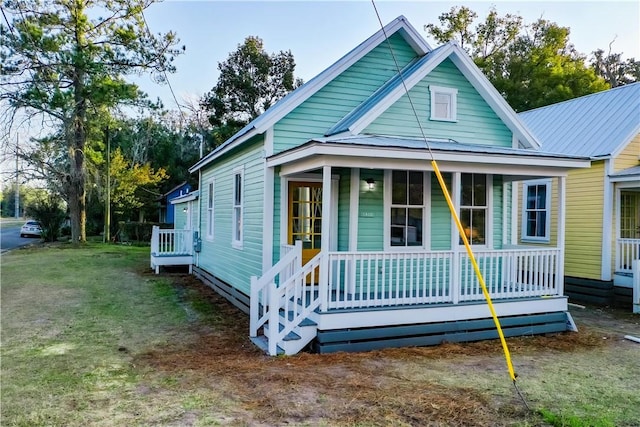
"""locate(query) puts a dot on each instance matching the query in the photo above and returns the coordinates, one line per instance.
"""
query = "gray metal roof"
(596, 125)
(438, 145)
(635, 170)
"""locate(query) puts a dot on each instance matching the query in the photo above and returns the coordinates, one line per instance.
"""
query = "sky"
(319, 33)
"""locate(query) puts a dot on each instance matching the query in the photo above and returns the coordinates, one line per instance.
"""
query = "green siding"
(322, 110)
(476, 122)
(497, 211)
(277, 196)
(371, 215)
(440, 215)
(344, 195)
(179, 216)
(219, 257)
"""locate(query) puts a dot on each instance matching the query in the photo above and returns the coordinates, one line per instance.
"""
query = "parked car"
(31, 228)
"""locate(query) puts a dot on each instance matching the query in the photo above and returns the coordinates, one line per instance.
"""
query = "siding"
(344, 194)
(476, 121)
(180, 217)
(585, 198)
(498, 200)
(440, 215)
(322, 110)
(371, 215)
(219, 257)
(629, 157)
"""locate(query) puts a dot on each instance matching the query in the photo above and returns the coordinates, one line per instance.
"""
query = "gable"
(321, 111)
(477, 123)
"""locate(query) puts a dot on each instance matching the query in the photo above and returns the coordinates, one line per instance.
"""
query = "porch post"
(326, 237)
(562, 191)
(455, 239)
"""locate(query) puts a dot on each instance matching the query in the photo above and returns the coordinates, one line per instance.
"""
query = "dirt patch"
(372, 388)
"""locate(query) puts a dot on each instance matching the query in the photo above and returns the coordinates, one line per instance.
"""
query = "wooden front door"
(305, 217)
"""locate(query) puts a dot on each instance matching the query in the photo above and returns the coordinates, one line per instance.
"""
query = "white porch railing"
(284, 296)
(627, 251)
(374, 279)
(169, 242)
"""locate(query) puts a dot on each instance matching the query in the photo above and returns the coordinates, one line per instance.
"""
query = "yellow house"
(603, 202)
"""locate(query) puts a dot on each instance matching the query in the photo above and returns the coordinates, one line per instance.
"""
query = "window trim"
(453, 106)
(488, 208)
(237, 229)
(210, 209)
(523, 217)
(426, 217)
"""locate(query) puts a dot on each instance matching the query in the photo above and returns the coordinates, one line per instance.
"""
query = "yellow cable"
(467, 246)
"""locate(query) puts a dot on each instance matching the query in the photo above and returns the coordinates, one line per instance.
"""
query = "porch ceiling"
(381, 152)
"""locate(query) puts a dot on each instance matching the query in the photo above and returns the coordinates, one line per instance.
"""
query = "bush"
(137, 231)
(49, 213)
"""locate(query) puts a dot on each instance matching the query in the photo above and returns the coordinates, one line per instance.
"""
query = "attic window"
(443, 103)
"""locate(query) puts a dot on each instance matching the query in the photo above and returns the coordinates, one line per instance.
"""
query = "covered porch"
(626, 224)
(373, 273)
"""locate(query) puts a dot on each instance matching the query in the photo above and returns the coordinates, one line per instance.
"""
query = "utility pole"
(17, 193)
(107, 202)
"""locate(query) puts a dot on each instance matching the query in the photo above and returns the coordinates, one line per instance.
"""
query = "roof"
(438, 145)
(285, 105)
(596, 125)
(185, 197)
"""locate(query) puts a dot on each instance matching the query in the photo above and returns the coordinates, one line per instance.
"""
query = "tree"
(530, 65)
(615, 70)
(251, 80)
(66, 60)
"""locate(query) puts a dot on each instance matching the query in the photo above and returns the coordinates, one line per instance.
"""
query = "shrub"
(49, 213)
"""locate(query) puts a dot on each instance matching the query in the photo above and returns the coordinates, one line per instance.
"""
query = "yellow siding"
(585, 199)
(629, 157)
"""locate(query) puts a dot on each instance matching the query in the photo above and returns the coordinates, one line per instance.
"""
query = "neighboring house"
(603, 202)
(186, 208)
(167, 214)
(323, 219)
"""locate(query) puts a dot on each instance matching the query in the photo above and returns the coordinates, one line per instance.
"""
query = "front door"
(305, 217)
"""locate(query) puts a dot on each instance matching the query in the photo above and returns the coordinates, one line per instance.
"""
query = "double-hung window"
(443, 103)
(238, 206)
(407, 208)
(536, 215)
(210, 209)
(474, 207)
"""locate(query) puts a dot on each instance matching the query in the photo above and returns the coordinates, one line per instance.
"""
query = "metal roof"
(596, 125)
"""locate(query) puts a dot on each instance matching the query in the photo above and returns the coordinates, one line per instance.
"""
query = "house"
(166, 213)
(603, 202)
(322, 218)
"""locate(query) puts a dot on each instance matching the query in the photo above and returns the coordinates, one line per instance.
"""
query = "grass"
(91, 338)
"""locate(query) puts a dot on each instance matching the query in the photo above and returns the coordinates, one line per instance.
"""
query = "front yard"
(91, 337)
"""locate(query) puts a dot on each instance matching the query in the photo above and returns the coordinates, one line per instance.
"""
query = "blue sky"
(319, 33)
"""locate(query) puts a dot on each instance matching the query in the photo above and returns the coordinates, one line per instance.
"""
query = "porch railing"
(374, 279)
(627, 251)
(169, 242)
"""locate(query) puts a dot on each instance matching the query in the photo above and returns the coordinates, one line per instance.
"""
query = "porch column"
(562, 191)
(455, 241)
(326, 236)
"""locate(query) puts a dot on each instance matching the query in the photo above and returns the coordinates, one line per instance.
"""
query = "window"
(474, 207)
(238, 201)
(210, 201)
(407, 208)
(536, 215)
(443, 103)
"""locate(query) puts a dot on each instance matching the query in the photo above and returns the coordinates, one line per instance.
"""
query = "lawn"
(91, 338)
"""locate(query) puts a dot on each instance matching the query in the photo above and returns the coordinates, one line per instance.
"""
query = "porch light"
(184, 210)
(371, 183)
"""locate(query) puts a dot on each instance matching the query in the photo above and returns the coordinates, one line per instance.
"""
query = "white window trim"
(426, 217)
(237, 243)
(211, 202)
(453, 93)
(523, 217)
(488, 241)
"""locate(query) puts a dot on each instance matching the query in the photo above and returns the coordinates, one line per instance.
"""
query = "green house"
(323, 220)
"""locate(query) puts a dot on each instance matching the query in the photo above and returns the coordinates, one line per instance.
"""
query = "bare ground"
(445, 385)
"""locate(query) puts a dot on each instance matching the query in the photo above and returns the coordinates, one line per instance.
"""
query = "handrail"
(167, 242)
(627, 251)
(290, 261)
